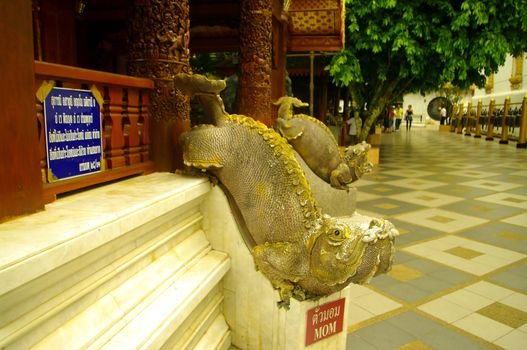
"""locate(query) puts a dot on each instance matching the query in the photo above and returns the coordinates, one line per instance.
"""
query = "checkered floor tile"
(459, 279)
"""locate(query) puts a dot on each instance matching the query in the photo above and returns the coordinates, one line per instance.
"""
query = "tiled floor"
(459, 279)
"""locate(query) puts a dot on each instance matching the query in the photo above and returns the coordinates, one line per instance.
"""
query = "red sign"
(324, 321)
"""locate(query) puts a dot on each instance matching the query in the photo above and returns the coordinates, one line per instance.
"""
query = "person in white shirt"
(443, 115)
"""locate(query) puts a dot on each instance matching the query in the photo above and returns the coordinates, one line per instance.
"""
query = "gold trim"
(96, 93)
(51, 177)
(517, 72)
(100, 100)
(44, 90)
(490, 84)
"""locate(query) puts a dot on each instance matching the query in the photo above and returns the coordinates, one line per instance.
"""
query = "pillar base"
(477, 136)
(489, 138)
(468, 134)
(521, 145)
(504, 142)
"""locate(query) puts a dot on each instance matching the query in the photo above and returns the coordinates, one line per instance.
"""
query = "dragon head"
(341, 252)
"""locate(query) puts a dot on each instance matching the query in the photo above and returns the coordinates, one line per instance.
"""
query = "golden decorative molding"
(490, 84)
(472, 89)
(517, 72)
(44, 89)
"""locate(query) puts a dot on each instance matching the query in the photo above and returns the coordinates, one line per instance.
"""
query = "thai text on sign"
(324, 321)
(73, 133)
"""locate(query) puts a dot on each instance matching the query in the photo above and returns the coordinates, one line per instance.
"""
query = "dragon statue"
(315, 143)
(304, 253)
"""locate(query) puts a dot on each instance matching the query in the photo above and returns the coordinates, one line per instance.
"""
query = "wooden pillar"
(323, 98)
(478, 115)
(311, 83)
(522, 138)
(159, 38)
(20, 178)
(490, 124)
(504, 127)
(279, 57)
(255, 49)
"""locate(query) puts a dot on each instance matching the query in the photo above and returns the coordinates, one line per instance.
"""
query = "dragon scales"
(304, 253)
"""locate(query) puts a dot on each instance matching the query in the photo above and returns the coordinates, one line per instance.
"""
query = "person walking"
(442, 112)
(409, 117)
(390, 116)
(398, 116)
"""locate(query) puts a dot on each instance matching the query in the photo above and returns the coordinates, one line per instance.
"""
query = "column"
(522, 139)
(504, 139)
(255, 76)
(159, 37)
(478, 115)
(490, 124)
(20, 178)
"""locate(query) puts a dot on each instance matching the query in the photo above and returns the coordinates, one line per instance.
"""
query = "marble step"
(109, 324)
(85, 279)
(162, 318)
(217, 337)
(196, 325)
(72, 287)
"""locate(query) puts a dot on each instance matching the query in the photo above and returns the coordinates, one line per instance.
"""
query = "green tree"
(397, 47)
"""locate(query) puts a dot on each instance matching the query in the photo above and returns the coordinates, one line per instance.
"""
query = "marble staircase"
(123, 266)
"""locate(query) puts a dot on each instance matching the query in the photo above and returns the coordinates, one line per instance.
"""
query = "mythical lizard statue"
(303, 253)
(315, 143)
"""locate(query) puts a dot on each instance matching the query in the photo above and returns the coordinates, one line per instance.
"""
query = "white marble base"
(250, 301)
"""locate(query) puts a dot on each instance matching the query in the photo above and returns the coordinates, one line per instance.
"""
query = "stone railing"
(124, 116)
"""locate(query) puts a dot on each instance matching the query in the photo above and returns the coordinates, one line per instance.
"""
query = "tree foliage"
(394, 47)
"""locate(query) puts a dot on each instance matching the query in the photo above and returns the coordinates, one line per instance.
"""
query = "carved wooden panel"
(316, 25)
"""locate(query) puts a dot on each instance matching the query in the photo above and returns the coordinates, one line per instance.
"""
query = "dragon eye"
(336, 232)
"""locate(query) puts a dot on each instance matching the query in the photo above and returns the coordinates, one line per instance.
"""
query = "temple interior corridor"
(459, 279)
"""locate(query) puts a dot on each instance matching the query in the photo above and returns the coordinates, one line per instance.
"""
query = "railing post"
(522, 142)
(478, 116)
(113, 116)
(504, 128)
(468, 121)
(490, 125)
(459, 129)
(131, 130)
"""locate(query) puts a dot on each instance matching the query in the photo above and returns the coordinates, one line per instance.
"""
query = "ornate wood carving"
(256, 41)
(159, 39)
(316, 25)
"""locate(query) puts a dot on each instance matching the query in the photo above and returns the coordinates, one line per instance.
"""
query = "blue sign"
(73, 133)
